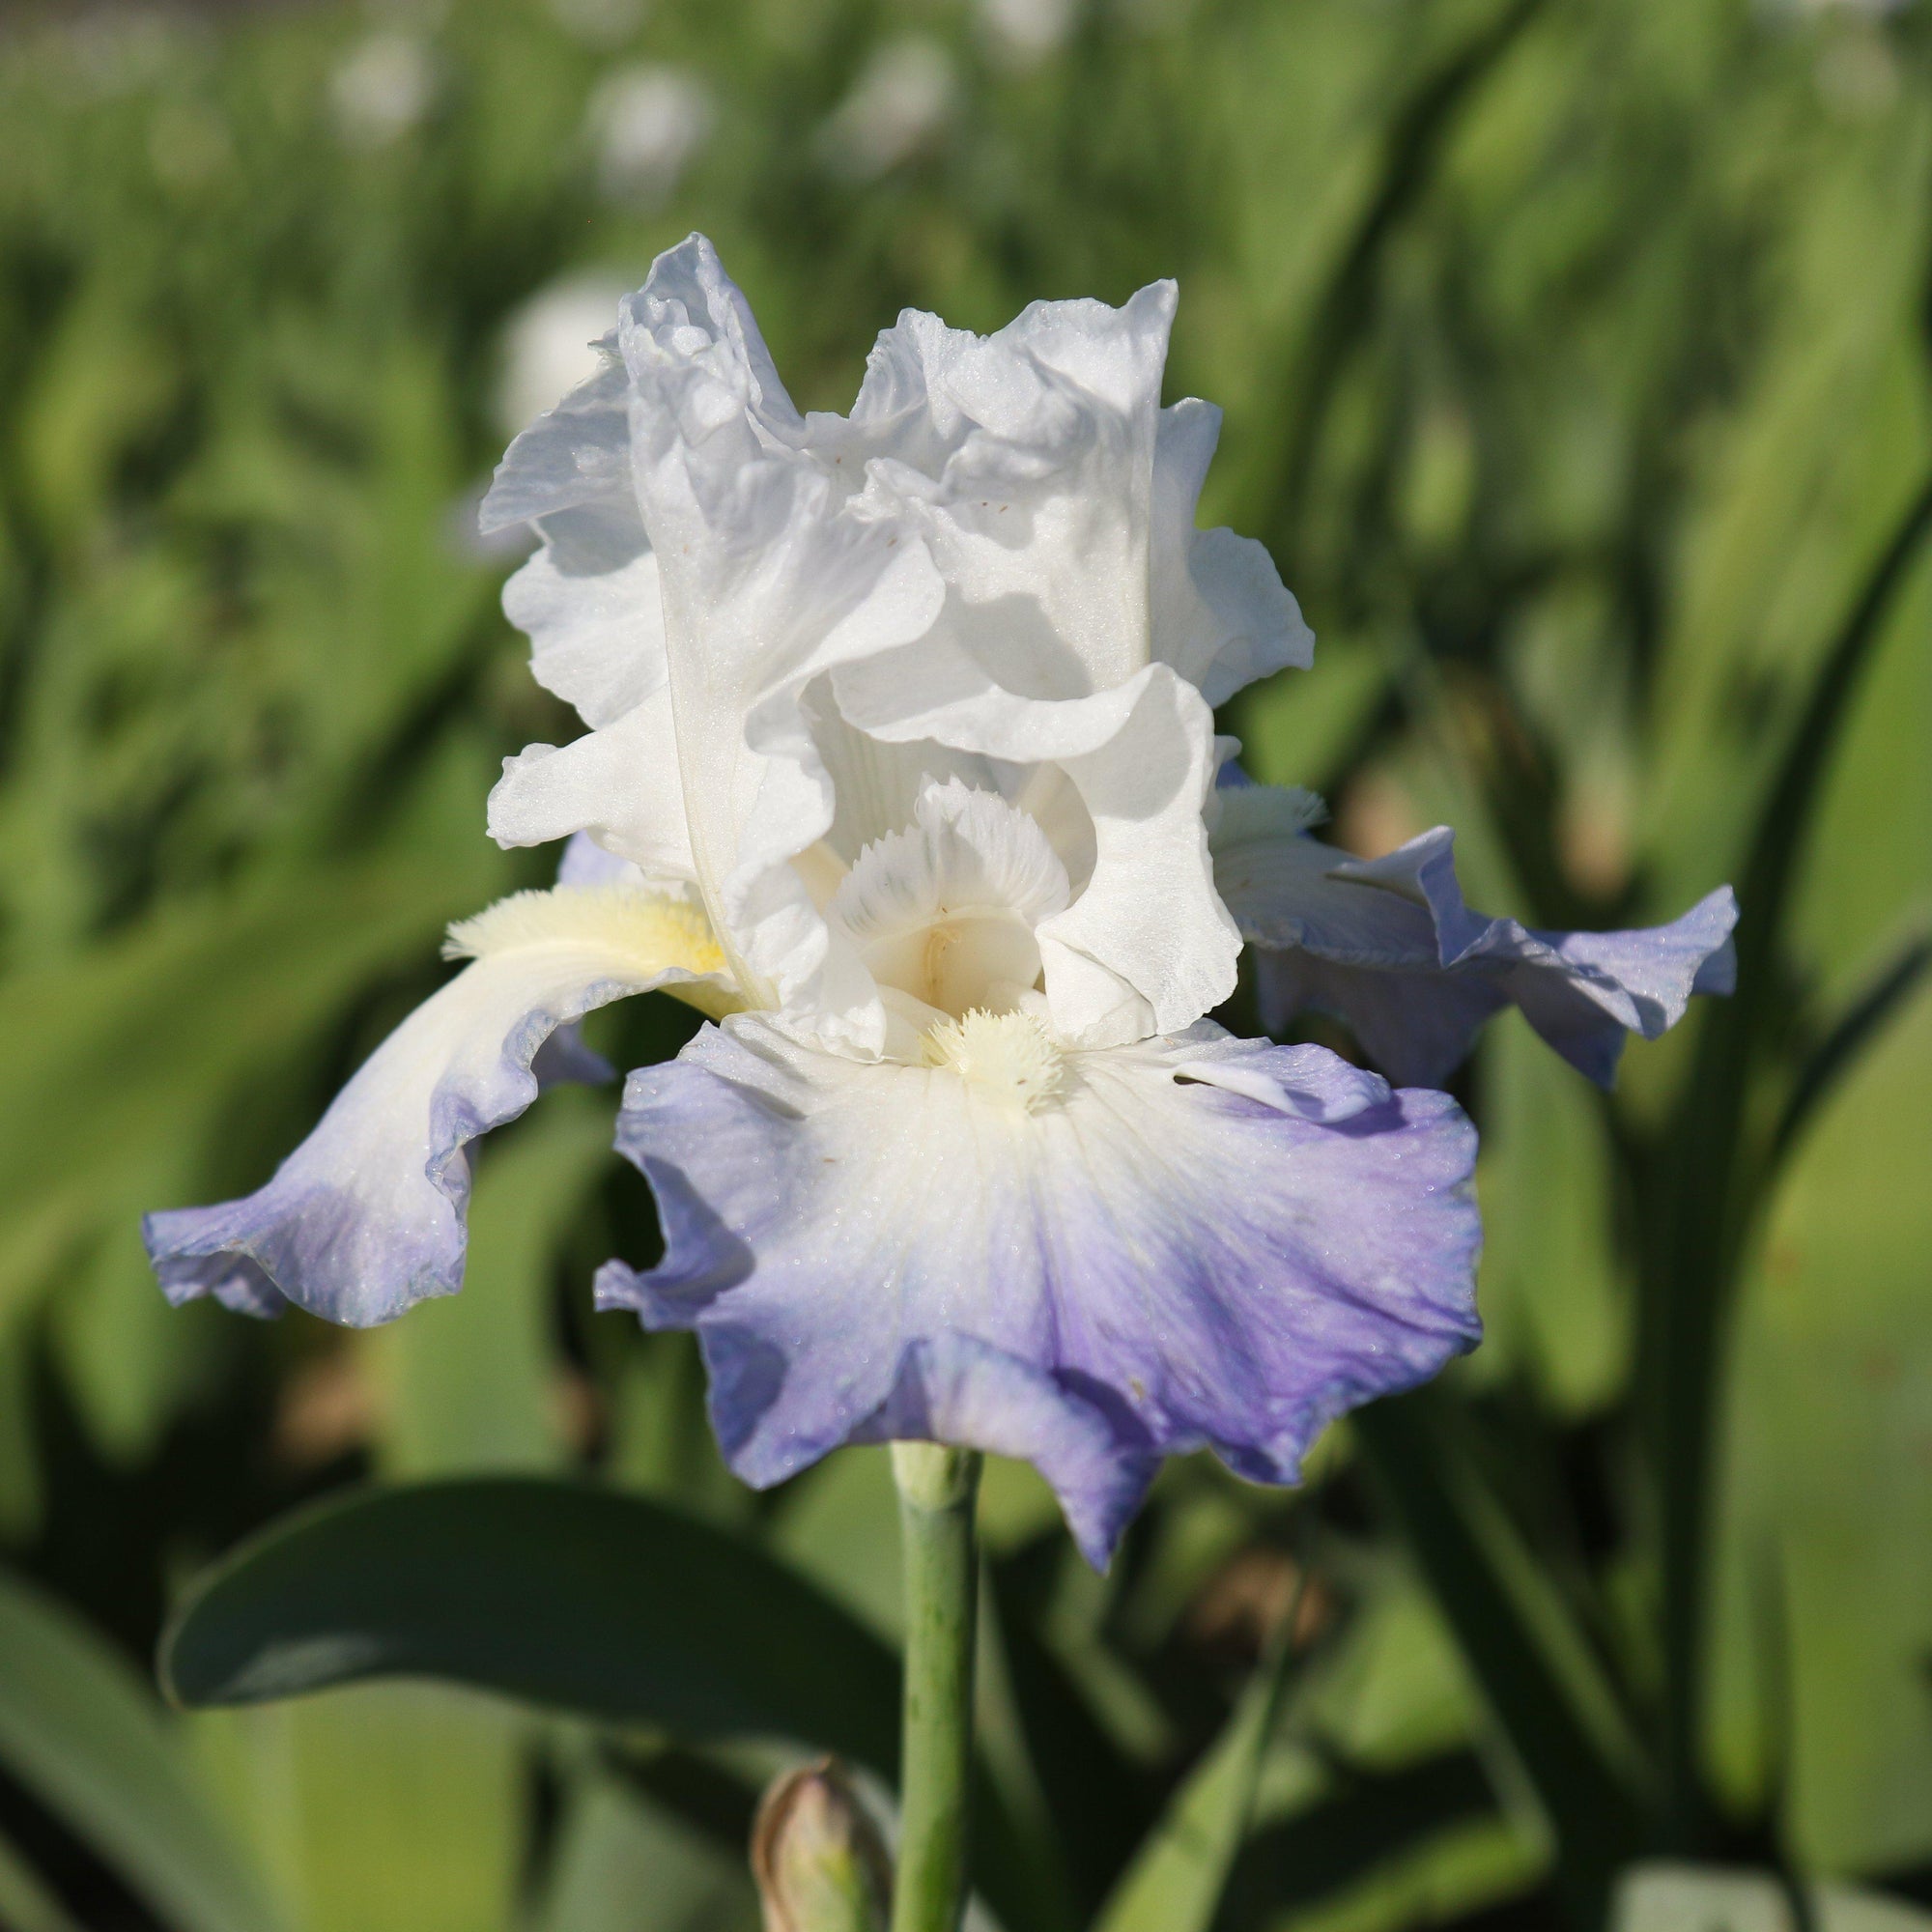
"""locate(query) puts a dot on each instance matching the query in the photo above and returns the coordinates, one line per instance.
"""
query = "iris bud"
(819, 1860)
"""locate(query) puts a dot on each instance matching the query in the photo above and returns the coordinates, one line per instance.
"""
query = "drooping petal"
(1389, 946)
(366, 1217)
(954, 1388)
(1187, 1243)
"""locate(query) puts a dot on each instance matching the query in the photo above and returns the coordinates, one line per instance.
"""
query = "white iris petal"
(945, 910)
(989, 572)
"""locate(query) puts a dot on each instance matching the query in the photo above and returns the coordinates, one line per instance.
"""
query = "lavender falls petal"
(1096, 1259)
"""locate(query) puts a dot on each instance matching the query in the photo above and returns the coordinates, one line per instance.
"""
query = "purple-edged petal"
(366, 1217)
(1192, 1241)
(955, 1390)
(1389, 946)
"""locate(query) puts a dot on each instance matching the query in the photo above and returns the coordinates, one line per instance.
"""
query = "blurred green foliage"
(1575, 362)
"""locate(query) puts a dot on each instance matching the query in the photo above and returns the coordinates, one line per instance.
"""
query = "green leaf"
(556, 1593)
(1352, 1840)
(622, 1865)
(1703, 1184)
(26, 1905)
(1176, 1881)
(570, 1597)
(383, 1807)
(470, 1380)
(1822, 1601)
(1535, 1667)
(79, 1732)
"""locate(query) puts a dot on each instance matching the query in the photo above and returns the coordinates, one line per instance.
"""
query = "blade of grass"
(26, 1905)
(1704, 1199)
(1535, 1668)
(1847, 1038)
(1177, 1882)
(1416, 136)
(77, 1730)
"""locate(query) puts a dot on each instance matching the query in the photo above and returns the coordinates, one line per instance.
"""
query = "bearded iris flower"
(900, 765)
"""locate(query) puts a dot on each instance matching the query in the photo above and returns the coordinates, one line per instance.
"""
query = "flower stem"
(937, 1488)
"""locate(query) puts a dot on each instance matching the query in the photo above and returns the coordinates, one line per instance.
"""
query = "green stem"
(937, 1491)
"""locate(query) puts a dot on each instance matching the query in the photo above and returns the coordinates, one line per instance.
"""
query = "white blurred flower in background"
(1024, 32)
(599, 23)
(548, 343)
(903, 101)
(119, 51)
(646, 124)
(383, 89)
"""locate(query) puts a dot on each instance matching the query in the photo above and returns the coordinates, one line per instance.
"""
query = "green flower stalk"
(938, 1489)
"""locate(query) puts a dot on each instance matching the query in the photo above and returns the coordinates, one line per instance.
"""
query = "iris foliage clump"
(1575, 367)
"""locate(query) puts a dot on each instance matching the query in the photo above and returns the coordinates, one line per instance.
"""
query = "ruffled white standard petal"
(1084, 615)
(771, 575)
(1062, 500)
(1222, 616)
(620, 784)
(1092, 1260)
(588, 602)
(1388, 946)
(1058, 499)
(366, 1217)
(1028, 458)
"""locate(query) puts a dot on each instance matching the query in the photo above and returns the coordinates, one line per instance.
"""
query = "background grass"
(1575, 358)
